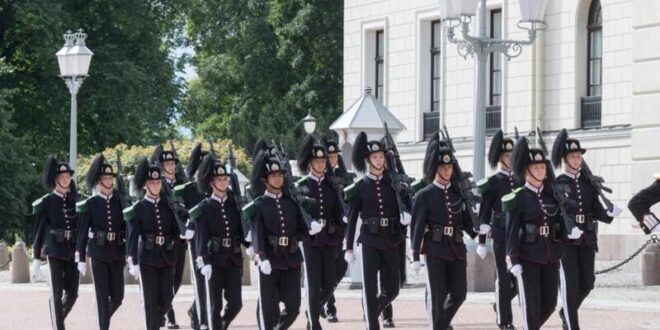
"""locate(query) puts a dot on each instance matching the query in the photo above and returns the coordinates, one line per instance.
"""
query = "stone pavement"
(25, 306)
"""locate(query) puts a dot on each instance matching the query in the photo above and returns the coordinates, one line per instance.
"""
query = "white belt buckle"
(544, 231)
(226, 242)
(160, 240)
(283, 241)
(580, 218)
(449, 231)
(384, 222)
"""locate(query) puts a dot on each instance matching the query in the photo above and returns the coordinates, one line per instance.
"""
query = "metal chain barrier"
(653, 239)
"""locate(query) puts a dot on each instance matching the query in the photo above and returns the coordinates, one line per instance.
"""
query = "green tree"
(262, 66)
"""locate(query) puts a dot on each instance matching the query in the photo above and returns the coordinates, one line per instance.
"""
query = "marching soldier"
(56, 228)
(640, 206)
(320, 251)
(493, 222)
(101, 235)
(441, 216)
(277, 228)
(218, 239)
(169, 164)
(341, 178)
(151, 222)
(374, 199)
(190, 195)
(533, 230)
(577, 263)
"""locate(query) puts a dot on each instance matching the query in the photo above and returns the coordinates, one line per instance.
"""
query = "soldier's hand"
(516, 270)
(82, 268)
(406, 218)
(614, 212)
(482, 251)
(417, 266)
(265, 267)
(134, 270)
(315, 228)
(36, 267)
(484, 229)
(188, 235)
(250, 252)
(576, 233)
(349, 256)
(207, 271)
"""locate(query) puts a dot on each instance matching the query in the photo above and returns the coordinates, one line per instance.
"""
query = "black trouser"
(180, 248)
(109, 289)
(388, 313)
(321, 276)
(64, 281)
(384, 265)
(225, 281)
(505, 286)
(156, 284)
(282, 285)
(200, 296)
(447, 285)
(537, 289)
(577, 280)
(342, 266)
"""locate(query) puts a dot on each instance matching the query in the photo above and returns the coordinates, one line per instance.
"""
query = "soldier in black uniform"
(277, 228)
(640, 206)
(152, 234)
(218, 239)
(336, 171)
(441, 216)
(101, 235)
(533, 231)
(493, 222)
(56, 228)
(169, 163)
(577, 264)
(374, 200)
(189, 194)
(320, 251)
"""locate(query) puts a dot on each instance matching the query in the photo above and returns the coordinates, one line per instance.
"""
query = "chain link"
(653, 239)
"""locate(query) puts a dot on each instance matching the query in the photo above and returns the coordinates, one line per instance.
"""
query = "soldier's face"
(275, 180)
(318, 165)
(574, 160)
(537, 171)
(169, 166)
(377, 160)
(63, 180)
(154, 186)
(505, 159)
(334, 159)
(444, 172)
(221, 183)
(106, 183)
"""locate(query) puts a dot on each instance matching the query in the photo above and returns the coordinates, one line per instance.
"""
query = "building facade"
(595, 71)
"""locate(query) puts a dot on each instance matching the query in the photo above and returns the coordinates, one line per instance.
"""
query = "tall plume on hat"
(141, 173)
(495, 149)
(305, 153)
(520, 158)
(155, 155)
(558, 147)
(433, 143)
(261, 145)
(94, 172)
(196, 156)
(205, 173)
(50, 173)
(359, 152)
(258, 170)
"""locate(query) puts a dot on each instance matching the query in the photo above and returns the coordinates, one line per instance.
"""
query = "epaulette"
(38, 205)
(129, 212)
(351, 191)
(250, 209)
(418, 185)
(482, 185)
(509, 200)
(196, 211)
(179, 189)
(81, 207)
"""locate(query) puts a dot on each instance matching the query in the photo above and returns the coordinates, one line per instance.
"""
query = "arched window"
(591, 104)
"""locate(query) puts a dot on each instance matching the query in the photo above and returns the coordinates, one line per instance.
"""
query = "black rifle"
(298, 194)
(597, 183)
(124, 197)
(211, 149)
(515, 134)
(559, 191)
(179, 210)
(399, 180)
(240, 200)
(465, 184)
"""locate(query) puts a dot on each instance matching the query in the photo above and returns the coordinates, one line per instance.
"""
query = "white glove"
(482, 251)
(576, 233)
(349, 257)
(82, 268)
(250, 252)
(207, 270)
(36, 267)
(344, 219)
(615, 212)
(265, 268)
(315, 228)
(406, 218)
(248, 237)
(516, 270)
(199, 262)
(417, 266)
(188, 235)
(134, 270)
(484, 229)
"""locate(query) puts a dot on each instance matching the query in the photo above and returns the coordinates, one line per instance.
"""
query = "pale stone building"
(595, 71)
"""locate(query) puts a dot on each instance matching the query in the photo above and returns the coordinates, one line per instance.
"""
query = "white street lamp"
(309, 123)
(74, 59)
